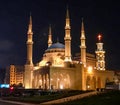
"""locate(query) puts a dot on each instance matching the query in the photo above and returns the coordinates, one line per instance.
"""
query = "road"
(5, 103)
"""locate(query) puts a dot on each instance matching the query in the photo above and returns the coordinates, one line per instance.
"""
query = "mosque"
(57, 69)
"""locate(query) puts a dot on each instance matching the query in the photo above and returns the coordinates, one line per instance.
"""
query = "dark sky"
(99, 17)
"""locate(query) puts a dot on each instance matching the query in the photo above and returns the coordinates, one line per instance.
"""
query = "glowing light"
(40, 81)
(47, 64)
(84, 65)
(99, 37)
(36, 67)
(90, 69)
(27, 86)
(11, 88)
(67, 60)
(42, 63)
(61, 86)
(80, 62)
(4, 85)
(88, 86)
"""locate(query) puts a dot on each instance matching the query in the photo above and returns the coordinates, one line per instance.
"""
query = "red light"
(99, 37)
(11, 88)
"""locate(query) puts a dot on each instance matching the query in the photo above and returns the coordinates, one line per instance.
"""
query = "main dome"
(57, 46)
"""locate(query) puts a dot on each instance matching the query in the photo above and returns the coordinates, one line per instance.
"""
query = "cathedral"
(57, 69)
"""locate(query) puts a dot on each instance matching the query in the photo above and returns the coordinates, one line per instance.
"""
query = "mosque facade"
(57, 69)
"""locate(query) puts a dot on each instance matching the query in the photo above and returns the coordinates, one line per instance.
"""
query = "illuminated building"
(19, 74)
(14, 75)
(90, 59)
(57, 69)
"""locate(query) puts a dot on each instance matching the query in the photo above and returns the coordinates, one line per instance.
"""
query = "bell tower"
(100, 55)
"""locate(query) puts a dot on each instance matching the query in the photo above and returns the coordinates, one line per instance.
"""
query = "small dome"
(57, 46)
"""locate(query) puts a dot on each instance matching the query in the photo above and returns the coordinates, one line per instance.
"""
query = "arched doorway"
(88, 83)
(99, 82)
(93, 83)
(60, 81)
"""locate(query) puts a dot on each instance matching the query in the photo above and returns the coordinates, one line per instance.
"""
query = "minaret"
(83, 45)
(67, 39)
(50, 37)
(100, 55)
(29, 43)
(28, 75)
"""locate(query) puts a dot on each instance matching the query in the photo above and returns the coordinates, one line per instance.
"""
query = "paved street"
(5, 103)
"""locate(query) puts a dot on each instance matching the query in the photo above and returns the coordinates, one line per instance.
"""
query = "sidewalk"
(71, 98)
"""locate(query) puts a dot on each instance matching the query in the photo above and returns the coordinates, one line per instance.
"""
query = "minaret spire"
(30, 26)
(67, 38)
(83, 45)
(67, 26)
(29, 63)
(82, 30)
(67, 13)
(29, 42)
(50, 36)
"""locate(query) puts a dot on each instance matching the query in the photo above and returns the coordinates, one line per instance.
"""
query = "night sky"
(99, 17)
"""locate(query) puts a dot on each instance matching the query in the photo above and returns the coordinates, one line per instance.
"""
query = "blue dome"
(57, 46)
